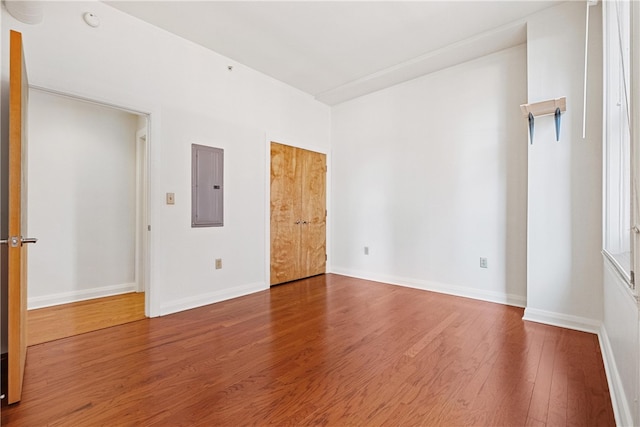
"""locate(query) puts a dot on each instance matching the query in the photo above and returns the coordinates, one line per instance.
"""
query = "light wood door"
(17, 251)
(285, 214)
(313, 256)
(298, 213)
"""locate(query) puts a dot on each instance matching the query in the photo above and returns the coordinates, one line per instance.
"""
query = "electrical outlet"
(483, 262)
(171, 198)
(218, 263)
(366, 250)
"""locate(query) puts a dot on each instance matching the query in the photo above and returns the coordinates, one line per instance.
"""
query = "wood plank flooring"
(66, 320)
(329, 350)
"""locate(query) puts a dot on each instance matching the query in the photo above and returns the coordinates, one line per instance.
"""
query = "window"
(618, 218)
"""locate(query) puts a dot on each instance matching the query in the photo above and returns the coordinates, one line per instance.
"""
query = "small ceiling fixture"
(91, 19)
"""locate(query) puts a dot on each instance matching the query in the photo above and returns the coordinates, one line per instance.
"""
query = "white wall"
(192, 97)
(619, 342)
(189, 253)
(564, 283)
(81, 174)
(431, 176)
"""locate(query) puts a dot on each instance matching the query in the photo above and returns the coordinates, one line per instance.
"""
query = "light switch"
(171, 198)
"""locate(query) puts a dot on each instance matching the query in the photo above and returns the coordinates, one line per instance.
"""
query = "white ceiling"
(338, 50)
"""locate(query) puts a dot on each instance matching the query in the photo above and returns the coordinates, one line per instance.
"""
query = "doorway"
(88, 181)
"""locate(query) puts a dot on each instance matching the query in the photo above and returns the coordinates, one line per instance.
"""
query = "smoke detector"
(91, 19)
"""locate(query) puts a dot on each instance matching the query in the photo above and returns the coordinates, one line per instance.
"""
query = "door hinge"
(632, 279)
(325, 257)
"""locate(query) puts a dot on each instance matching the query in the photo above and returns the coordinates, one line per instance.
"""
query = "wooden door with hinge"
(298, 213)
(17, 248)
(313, 256)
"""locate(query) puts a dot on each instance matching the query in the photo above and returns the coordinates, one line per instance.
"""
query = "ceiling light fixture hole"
(91, 19)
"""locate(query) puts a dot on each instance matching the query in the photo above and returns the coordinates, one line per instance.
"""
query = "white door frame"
(143, 217)
(142, 203)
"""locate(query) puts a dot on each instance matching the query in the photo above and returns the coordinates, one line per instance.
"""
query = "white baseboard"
(427, 285)
(210, 298)
(562, 320)
(619, 401)
(79, 295)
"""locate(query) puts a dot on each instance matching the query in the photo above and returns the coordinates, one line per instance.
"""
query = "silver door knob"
(12, 241)
(15, 241)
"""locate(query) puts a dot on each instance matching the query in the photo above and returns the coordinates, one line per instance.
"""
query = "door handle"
(15, 241)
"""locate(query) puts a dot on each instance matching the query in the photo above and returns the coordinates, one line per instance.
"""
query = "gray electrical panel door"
(206, 186)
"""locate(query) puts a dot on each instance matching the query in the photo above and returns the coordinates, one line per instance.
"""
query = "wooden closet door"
(285, 214)
(313, 236)
(298, 213)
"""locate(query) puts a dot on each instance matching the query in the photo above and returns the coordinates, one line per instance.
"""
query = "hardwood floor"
(66, 320)
(330, 350)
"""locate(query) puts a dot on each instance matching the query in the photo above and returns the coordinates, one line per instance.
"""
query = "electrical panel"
(207, 188)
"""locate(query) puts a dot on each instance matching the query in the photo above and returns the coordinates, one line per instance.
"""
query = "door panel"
(17, 254)
(285, 232)
(313, 238)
